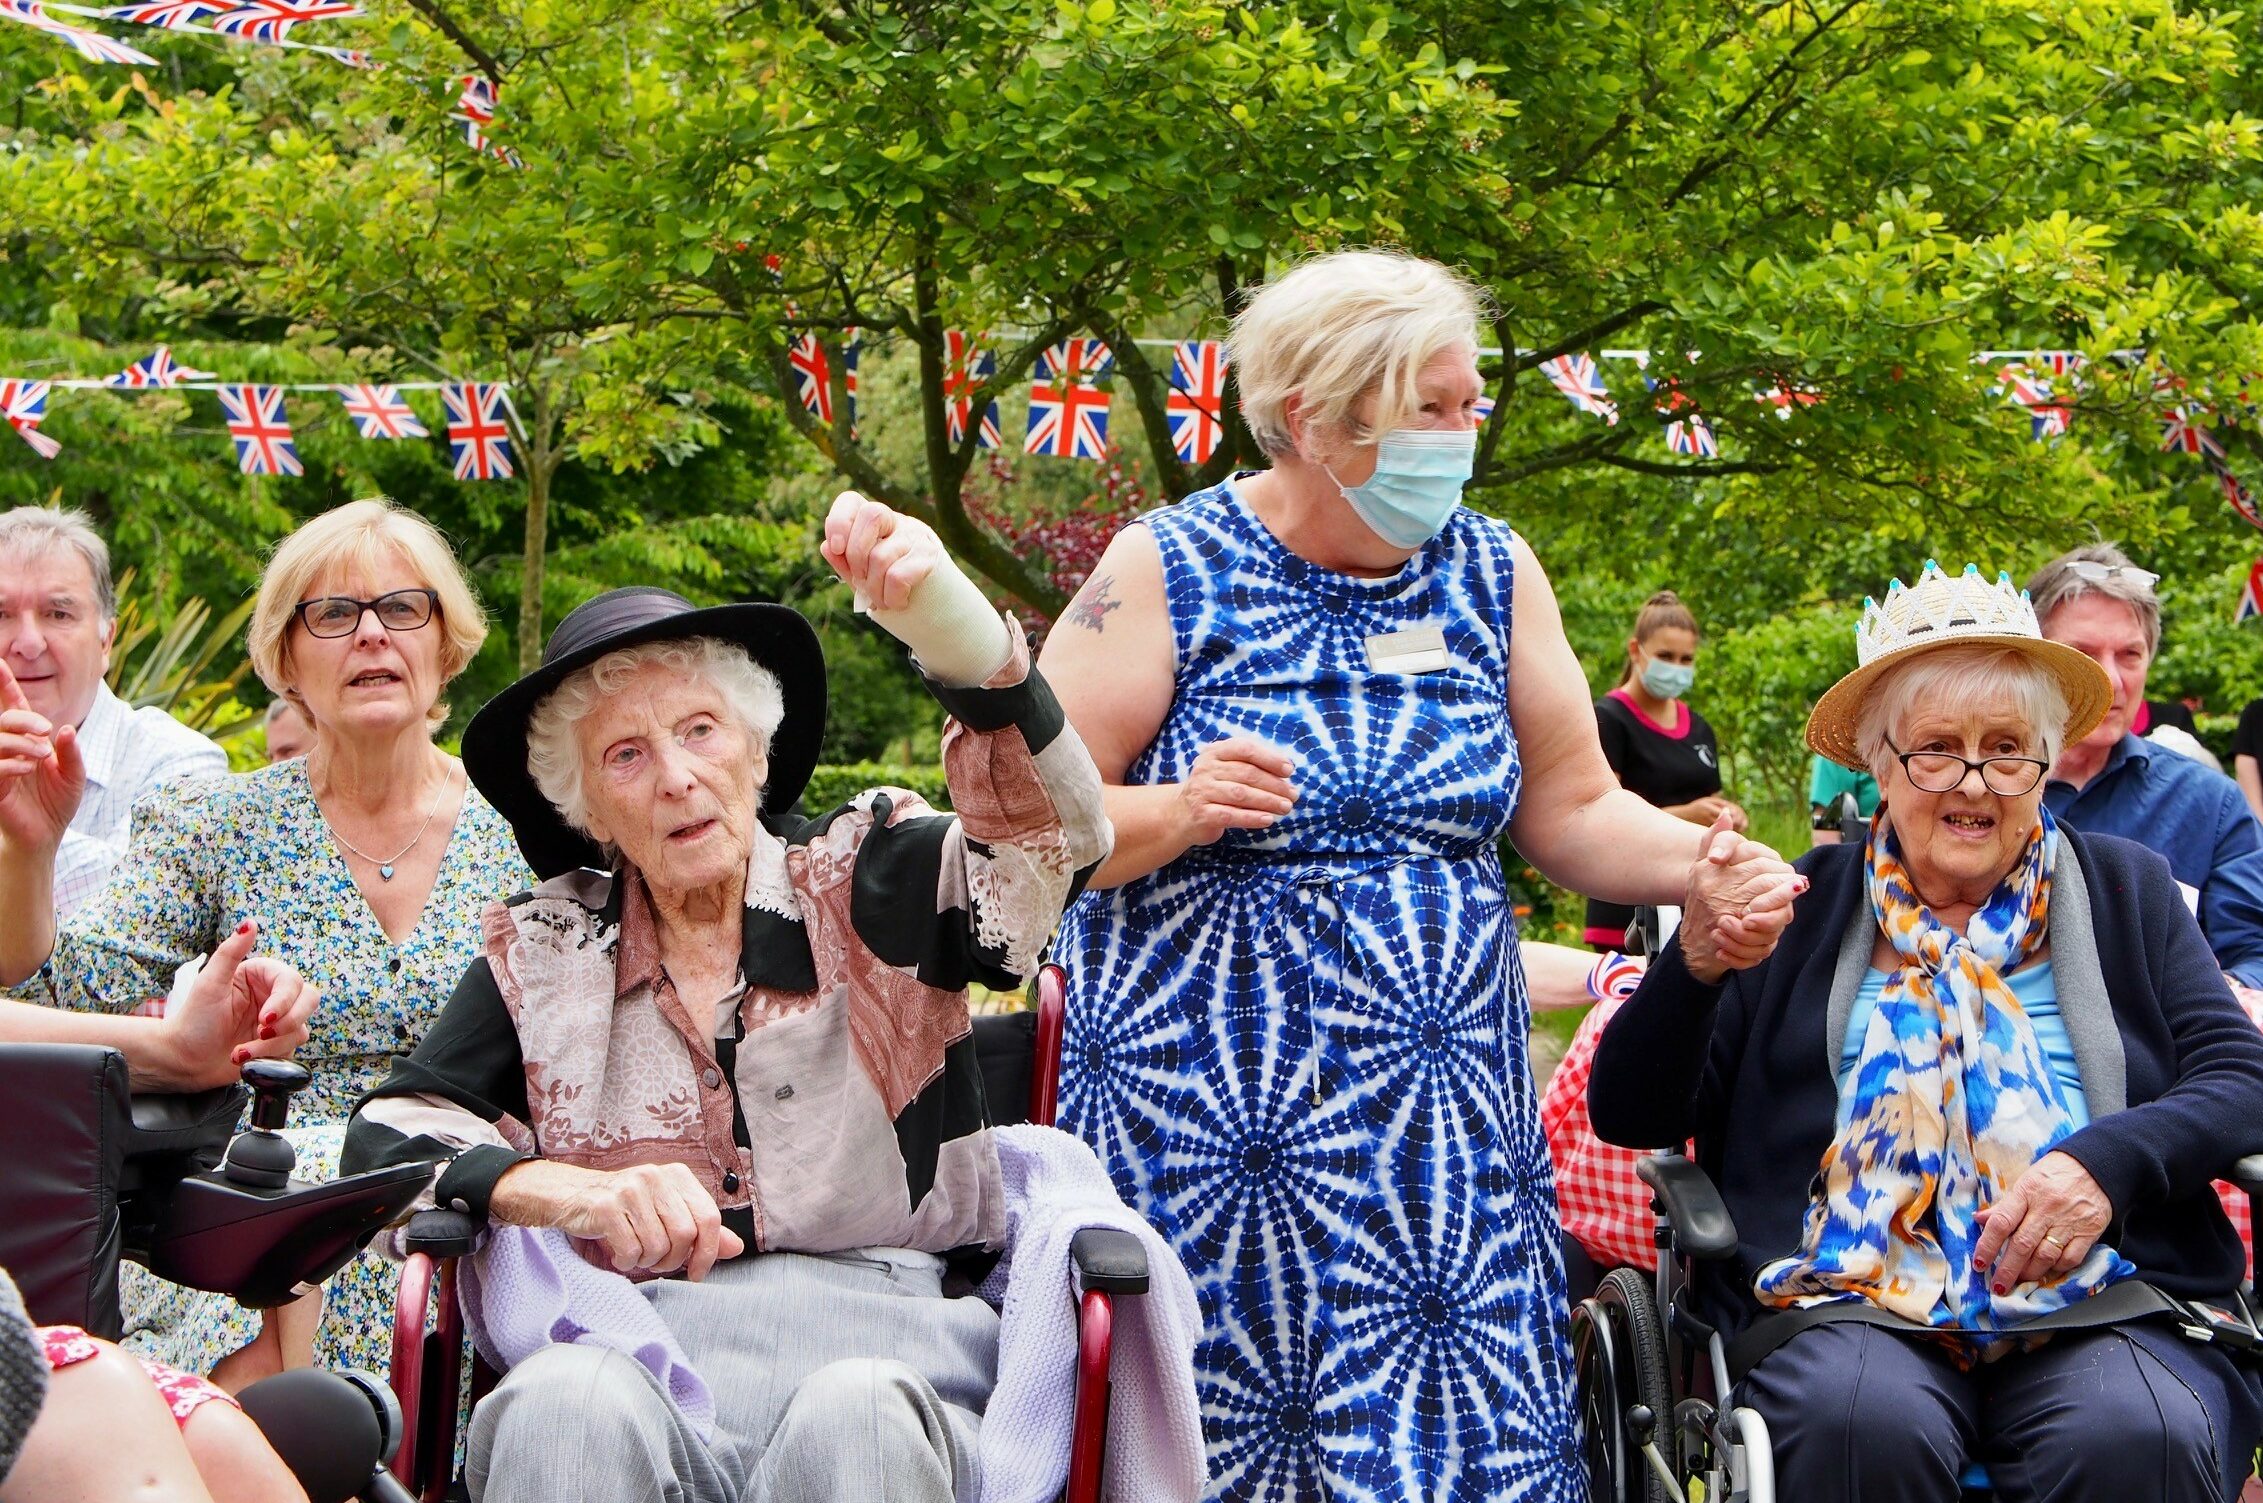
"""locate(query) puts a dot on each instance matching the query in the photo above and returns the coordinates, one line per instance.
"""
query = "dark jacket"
(2173, 1070)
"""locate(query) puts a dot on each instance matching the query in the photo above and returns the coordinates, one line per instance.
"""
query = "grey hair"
(1975, 675)
(2055, 584)
(553, 757)
(281, 703)
(37, 530)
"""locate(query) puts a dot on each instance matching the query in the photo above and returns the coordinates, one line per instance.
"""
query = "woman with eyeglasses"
(364, 865)
(1966, 1114)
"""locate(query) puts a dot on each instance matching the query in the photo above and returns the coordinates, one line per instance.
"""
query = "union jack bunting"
(2060, 362)
(166, 13)
(1485, 407)
(2046, 418)
(1692, 435)
(1782, 398)
(262, 433)
(2250, 594)
(965, 368)
(813, 374)
(89, 44)
(1196, 406)
(1068, 417)
(1612, 976)
(475, 111)
(158, 368)
(2236, 491)
(272, 20)
(2183, 431)
(24, 405)
(478, 437)
(1576, 377)
(381, 412)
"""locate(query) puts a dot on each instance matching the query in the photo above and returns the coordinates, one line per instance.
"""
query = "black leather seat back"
(1006, 1046)
(64, 1120)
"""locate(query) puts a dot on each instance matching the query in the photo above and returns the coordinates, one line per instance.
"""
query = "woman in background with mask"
(1319, 696)
(1658, 746)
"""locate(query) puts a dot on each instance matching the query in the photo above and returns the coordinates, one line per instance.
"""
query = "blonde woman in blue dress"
(364, 865)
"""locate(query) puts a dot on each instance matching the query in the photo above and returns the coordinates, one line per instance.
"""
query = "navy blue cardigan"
(1744, 1068)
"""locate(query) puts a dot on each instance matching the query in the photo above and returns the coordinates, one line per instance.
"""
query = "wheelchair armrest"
(1692, 1205)
(443, 1234)
(2248, 1174)
(165, 1125)
(1108, 1260)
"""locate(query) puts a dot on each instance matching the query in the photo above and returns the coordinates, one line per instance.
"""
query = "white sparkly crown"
(1942, 607)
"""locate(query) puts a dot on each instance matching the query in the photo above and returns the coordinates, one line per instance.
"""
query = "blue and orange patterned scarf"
(1949, 1102)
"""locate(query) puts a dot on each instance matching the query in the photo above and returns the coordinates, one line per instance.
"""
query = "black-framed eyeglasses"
(340, 615)
(1941, 772)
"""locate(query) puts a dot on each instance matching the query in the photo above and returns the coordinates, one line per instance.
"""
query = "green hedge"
(835, 783)
(1757, 687)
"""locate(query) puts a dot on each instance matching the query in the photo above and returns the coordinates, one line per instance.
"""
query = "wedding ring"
(2054, 1242)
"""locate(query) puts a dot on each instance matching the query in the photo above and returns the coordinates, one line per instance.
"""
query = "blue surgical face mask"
(1668, 680)
(1418, 480)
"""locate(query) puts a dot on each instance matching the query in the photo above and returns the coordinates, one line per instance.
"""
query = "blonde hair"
(360, 535)
(1663, 611)
(1340, 326)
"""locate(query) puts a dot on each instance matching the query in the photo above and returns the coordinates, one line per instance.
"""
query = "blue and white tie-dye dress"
(1301, 1051)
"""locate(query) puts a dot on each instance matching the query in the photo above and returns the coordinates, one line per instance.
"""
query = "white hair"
(35, 531)
(1979, 675)
(1340, 326)
(750, 692)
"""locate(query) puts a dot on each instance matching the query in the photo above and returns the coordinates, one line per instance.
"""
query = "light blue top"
(2037, 991)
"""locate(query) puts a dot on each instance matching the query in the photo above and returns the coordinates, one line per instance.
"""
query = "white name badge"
(1418, 649)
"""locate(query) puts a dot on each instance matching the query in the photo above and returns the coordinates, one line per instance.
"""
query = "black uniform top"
(1666, 764)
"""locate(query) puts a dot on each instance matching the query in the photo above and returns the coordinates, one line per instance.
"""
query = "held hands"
(42, 775)
(881, 554)
(2046, 1223)
(656, 1217)
(1738, 905)
(239, 1007)
(1236, 784)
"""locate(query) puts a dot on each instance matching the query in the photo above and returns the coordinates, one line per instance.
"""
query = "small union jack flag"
(2061, 362)
(478, 436)
(2251, 594)
(1782, 398)
(475, 106)
(1692, 435)
(965, 368)
(813, 374)
(381, 412)
(1613, 975)
(157, 368)
(1485, 407)
(1068, 416)
(166, 13)
(2046, 418)
(24, 405)
(1196, 407)
(2184, 431)
(89, 44)
(1576, 377)
(2236, 492)
(262, 433)
(272, 20)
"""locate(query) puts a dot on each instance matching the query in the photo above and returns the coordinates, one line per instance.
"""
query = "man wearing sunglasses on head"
(2116, 782)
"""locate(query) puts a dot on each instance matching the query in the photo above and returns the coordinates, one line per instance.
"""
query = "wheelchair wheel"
(1619, 1358)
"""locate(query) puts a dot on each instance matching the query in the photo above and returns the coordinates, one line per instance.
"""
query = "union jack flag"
(1782, 398)
(24, 405)
(261, 432)
(272, 20)
(2184, 431)
(1485, 407)
(965, 368)
(1692, 435)
(2250, 594)
(475, 106)
(352, 57)
(478, 436)
(158, 368)
(381, 412)
(2046, 418)
(813, 374)
(1068, 416)
(2236, 492)
(166, 13)
(2061, 362)
(1576, 377)
(1197, 403)
(91, 45)
(1613, 976)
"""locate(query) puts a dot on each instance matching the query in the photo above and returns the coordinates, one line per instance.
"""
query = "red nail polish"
(244, 927)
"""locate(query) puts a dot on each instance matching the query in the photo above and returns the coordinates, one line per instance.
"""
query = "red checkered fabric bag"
(1602, 1203)
(2235, 1201)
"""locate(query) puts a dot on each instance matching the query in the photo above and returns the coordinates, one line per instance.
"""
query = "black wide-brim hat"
(775, 636)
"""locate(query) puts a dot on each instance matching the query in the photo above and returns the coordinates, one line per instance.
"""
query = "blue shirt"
(2195, 818)
(2038, 994)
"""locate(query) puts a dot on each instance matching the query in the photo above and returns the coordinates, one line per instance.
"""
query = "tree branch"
(448, 28)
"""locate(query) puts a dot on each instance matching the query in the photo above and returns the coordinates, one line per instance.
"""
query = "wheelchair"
(1655, 1390)
(168, 1182)
(1019, 1054)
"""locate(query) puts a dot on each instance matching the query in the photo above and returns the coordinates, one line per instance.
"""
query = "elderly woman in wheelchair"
(704, 1035)
(1966, 1114)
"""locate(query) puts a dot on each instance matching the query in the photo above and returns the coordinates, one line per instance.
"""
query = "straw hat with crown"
(1944, 610)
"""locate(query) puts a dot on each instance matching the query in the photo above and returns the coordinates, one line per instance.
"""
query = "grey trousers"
(835, 1378)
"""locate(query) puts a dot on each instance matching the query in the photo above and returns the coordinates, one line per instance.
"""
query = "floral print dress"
(208, 853)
